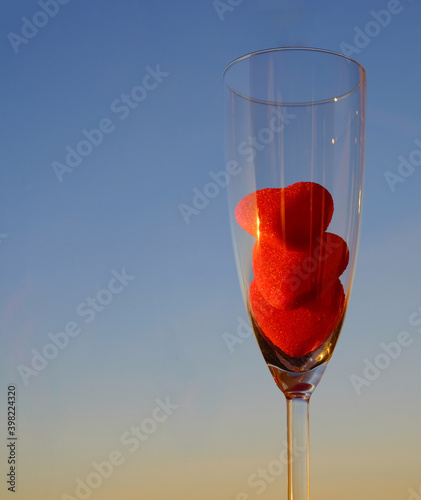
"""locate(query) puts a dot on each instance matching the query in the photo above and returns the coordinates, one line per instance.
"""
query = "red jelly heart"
(295, 214)
(287, 277)
(297, 332)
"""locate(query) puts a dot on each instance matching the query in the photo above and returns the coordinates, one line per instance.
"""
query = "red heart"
(296, 214)
(287, 277)
(298, 331)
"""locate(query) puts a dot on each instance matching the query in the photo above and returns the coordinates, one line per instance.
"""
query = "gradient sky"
(159, 339)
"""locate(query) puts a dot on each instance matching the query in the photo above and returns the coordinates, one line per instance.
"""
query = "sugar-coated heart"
(258, 213)
(298, 331)
(295, 214)
(288, 277)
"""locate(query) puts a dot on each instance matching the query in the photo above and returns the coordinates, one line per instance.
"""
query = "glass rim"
(294, 48)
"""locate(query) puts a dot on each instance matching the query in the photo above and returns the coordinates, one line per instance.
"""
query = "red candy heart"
(296, 214)
(299, 331)
(286, 278)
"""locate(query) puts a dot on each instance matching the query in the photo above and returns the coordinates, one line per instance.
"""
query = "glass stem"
(298, 449)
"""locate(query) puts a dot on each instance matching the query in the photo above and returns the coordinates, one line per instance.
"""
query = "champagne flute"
(295, 138)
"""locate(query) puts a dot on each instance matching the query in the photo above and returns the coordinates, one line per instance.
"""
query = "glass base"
(297, 385)
(276, 357)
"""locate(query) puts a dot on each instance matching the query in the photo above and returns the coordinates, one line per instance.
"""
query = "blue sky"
(118, 211)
